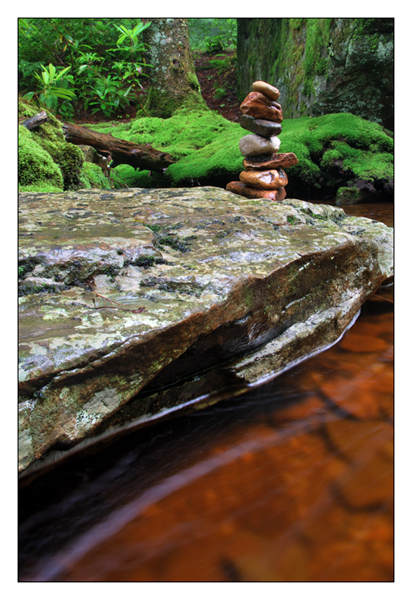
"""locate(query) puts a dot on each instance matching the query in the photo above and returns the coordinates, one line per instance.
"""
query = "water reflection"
(290, 482)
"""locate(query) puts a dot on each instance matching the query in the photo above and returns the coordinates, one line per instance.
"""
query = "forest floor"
(216, 82)
(218, 86)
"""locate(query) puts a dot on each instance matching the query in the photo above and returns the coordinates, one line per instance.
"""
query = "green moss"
(50, 137)
(204, 144)
(128, 176)
(364, 164)
(347, 195)
(163, 104)
(67, 156)
(40, 187)
(217, 161)
(332, 150)
(361, 147)
(93, 177)
(185, 132)
(36, 167)
(315, 63)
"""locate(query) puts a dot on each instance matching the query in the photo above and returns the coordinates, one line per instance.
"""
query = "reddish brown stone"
(237, 187)
(270, 161)
(265, 88)
(259, 106)
(264, 180)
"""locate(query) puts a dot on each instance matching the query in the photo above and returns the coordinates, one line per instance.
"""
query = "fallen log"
(35, 121)
(139, 156)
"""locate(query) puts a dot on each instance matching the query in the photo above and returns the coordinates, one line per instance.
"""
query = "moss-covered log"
(121, 151)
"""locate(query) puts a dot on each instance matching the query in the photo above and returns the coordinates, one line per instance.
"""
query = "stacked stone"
(264, 175)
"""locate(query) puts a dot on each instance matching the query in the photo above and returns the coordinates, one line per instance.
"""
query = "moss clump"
(37, 170)
(348, 195)
(336, 150)
(93, 177)
(50, 137)
(127, 176)
(67, 156)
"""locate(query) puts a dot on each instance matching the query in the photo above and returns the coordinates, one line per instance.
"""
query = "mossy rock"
(93, 177)
(335, 151)
(321, 65)
(50, 137)
(37, 169)
(47, 163)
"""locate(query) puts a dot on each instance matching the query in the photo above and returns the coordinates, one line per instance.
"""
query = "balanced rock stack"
(264, 175)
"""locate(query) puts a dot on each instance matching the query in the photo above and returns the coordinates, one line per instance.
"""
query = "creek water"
(290, 482)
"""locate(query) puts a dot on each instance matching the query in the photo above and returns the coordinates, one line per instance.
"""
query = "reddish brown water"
(290, 482)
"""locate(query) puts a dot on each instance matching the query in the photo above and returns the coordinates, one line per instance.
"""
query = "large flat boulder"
(138, 303)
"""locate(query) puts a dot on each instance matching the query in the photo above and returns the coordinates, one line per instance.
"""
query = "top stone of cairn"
(268, 90)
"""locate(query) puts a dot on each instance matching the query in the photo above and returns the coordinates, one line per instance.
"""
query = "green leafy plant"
(222, 62)
(132, 36)
(49, 92)
(109, 95)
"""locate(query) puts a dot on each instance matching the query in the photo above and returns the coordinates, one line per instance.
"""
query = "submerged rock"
(138, 303)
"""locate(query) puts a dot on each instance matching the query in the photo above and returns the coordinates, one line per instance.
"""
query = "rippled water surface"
(290, 482)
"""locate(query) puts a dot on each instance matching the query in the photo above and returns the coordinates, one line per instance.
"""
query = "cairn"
(264, 175)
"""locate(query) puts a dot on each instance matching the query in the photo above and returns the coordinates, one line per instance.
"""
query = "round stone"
(265, 88)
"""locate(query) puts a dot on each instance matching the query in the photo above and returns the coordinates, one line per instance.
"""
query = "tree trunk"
(173, 78)
(122, 152)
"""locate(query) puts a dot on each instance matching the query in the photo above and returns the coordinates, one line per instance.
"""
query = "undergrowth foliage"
(212, 35)
(81, 63)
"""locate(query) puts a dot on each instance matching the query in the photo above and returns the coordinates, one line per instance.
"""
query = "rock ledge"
(137, 303)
